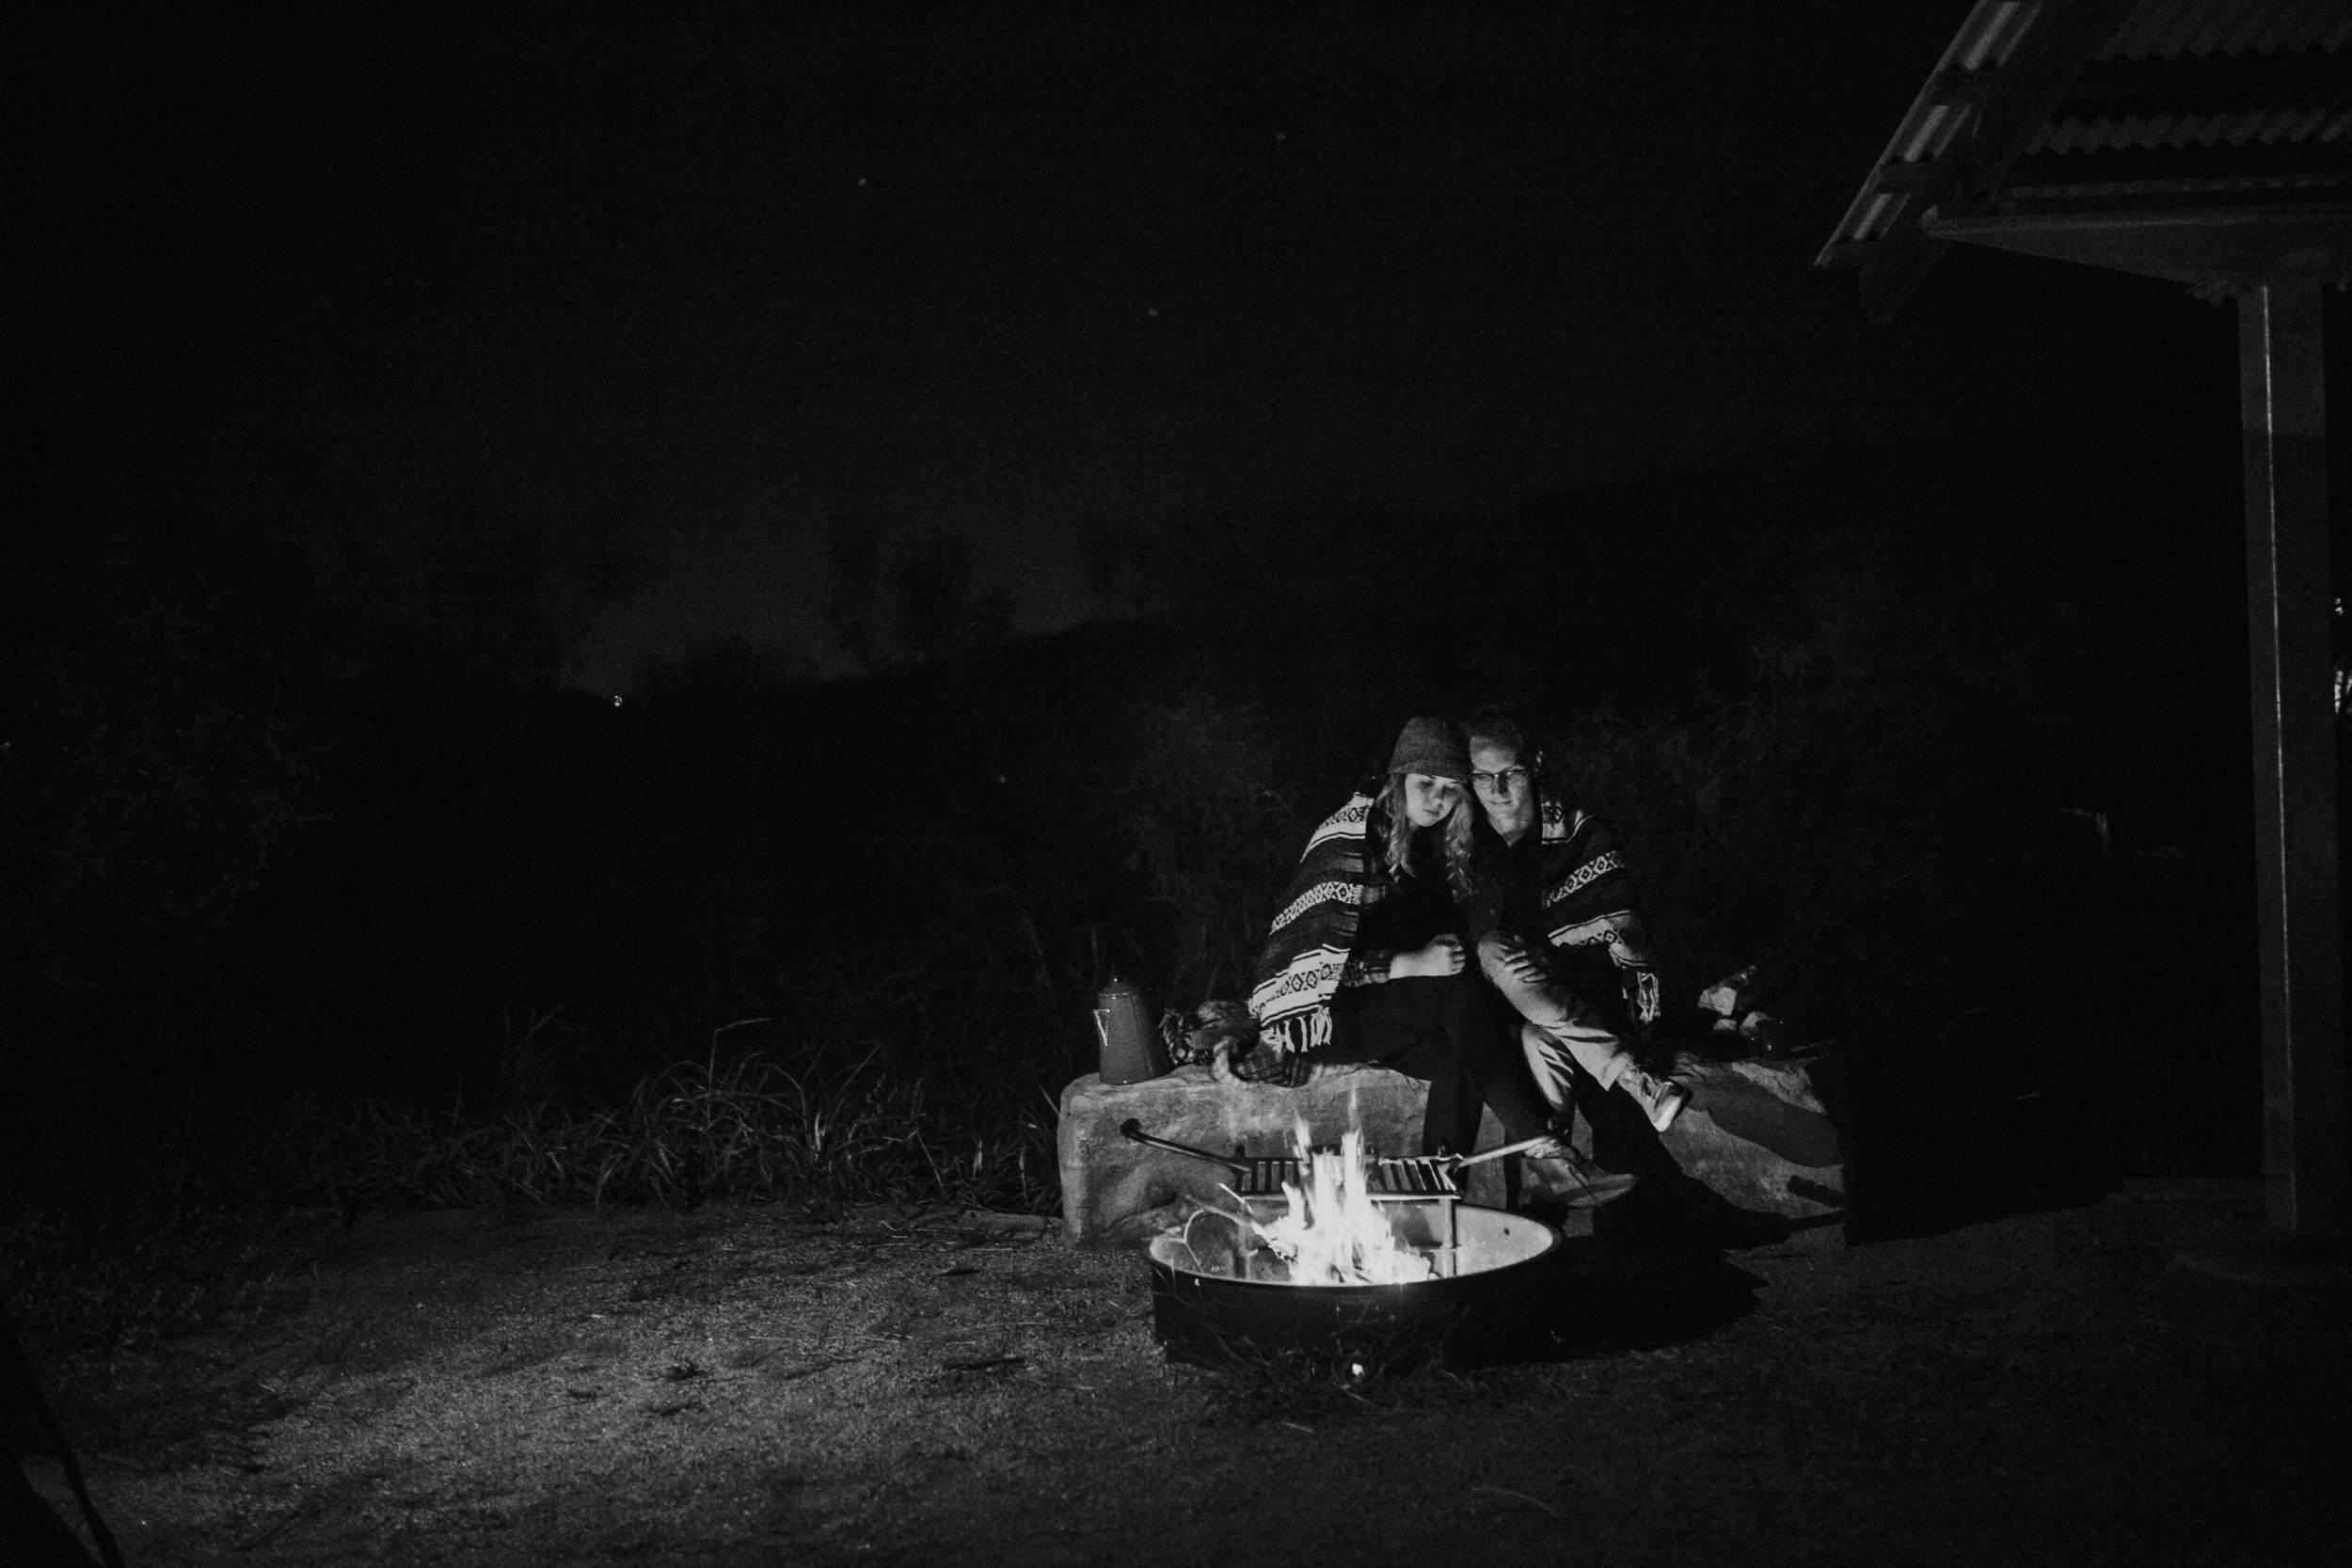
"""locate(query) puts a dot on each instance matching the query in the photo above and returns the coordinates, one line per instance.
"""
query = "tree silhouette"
(153, 772)
(852, 571)
(939, 613)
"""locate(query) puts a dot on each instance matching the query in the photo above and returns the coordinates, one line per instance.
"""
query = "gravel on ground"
(757, 1385)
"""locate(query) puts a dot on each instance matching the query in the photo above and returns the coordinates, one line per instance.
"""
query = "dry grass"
(138, 1239)
(747, 1132)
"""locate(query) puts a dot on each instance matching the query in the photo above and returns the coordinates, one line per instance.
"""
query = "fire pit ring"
(1205, 1317)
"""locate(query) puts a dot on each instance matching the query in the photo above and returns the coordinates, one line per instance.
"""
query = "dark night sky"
(703, 288)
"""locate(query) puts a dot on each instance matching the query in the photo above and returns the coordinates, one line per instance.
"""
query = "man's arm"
(1371, 966)
(1589, 901)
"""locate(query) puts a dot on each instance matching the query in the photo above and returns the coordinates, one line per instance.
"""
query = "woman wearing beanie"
(1365, 961)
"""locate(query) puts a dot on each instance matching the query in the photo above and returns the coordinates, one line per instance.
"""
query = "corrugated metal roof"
(2210, 73)
(2197, 77)
(2170, 29)
(2270, 126)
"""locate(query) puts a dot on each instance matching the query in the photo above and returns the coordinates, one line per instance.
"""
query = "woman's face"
(1429, 798)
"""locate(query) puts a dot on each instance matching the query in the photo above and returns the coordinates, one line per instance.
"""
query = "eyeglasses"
(1501, 782)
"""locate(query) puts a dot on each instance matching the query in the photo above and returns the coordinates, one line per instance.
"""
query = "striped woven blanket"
(1315, 931)
(1587, 899)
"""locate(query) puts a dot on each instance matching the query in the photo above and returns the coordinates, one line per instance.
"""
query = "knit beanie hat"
(1430, 746)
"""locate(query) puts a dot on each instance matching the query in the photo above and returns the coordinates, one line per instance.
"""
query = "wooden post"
(2281, 361)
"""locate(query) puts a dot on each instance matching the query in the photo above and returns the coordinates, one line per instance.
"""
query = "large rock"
(1760, 1134)
(1111, 1187)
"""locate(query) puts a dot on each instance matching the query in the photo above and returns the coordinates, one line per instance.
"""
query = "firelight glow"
(1332, 1232)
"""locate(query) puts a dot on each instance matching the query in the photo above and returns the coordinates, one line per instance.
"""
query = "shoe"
(1660, 1099)
(1569, 1181)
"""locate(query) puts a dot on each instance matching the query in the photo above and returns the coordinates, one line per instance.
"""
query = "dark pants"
(1456, 1034)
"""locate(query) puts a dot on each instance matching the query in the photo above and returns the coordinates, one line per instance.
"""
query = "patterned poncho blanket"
(1587, 899)
(1314, 932)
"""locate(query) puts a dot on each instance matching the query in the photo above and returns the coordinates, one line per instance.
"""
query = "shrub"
(1192, 810)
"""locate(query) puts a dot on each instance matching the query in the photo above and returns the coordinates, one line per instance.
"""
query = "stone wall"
(1761, 1135)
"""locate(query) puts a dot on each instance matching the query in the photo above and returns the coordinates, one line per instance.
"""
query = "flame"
(1332, 1233)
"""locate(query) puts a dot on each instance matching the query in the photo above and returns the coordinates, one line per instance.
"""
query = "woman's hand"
(1440, 958)
(1517, 962)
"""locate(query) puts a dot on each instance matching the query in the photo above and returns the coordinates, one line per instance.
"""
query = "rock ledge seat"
(1757, 1133)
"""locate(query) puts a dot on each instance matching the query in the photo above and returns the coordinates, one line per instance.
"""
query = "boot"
(1567, 1179)
(1660, 1099)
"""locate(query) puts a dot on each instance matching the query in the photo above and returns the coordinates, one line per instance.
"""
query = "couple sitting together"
(1448, 914)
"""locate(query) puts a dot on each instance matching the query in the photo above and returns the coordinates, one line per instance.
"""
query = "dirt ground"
(755, 1387)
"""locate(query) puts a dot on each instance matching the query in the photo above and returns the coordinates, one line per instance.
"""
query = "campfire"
(1342, 1254)
(1326, 1215)
(1331, 1230)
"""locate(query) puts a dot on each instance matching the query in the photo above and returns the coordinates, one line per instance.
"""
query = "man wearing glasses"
(1554, 897)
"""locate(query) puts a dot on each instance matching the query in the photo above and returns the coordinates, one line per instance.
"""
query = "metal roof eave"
(1982, 156)
(2003, 70)
(2218, 248)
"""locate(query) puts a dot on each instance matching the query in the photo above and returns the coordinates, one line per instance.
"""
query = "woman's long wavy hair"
(1455, 840)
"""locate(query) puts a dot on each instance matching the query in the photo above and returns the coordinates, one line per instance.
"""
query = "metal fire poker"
(1463, 1162)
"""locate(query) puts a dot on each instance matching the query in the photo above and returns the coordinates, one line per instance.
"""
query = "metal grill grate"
(1390, 1179)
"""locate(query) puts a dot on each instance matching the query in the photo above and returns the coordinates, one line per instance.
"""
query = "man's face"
(1506, 790)
(1429, 798)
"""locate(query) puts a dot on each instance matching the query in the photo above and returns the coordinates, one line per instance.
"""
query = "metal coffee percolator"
(1122, 1026)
